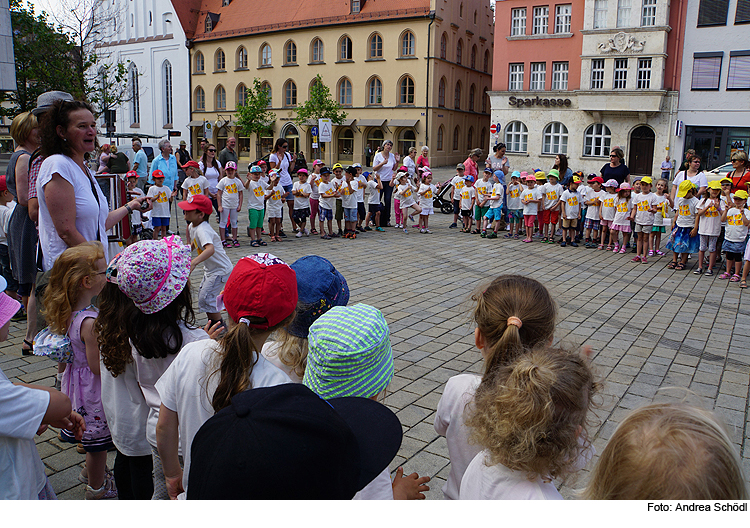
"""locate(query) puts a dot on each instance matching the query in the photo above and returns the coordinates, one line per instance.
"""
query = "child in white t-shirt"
(361, 185)
(301, 190)
(374, 186)
(709, 215)
(328, 193)
(195, 183)
(484, 189)
(550, 214)
(348, 191)
(405, 192)
(621, 222)
(458, 183)
(136, 224)
(160, 197)
(570, 202)
(684, 237)
(314, 180)
(229, 196)
(608, 210)
(735, 235)
(515, 207)
(494, 215)
(274, 204)
(256, 203)
(593, 201)
(468, 198)
(661, 218)
(644, 207)
(531, 198)
(426, 192)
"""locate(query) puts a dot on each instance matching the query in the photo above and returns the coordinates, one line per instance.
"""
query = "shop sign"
(536, 101)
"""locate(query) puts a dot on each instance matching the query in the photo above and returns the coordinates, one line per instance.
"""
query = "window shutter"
(743, 12)
(706, 72)
(739, 71)
(713, 13)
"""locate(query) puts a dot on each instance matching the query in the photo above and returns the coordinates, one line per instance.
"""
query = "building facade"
(580, 77)
(714, 108)
(416, 72)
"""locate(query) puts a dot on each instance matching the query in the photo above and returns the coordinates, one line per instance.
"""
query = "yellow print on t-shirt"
(459, 185)
(644, 205)
(428, 194)
(196, 247)
(572, 201)
(329, 193)
(528, 196)
(161, 197)
(465, 194)
(407, 193)
(622, 207)
(258, 191)
(552, 195)
(231, 188)
(609, 202)
(276, 195)
(515, 193)
(735, 220)
(347, 191)
(684, 210)
(712, 212)
(195, 189)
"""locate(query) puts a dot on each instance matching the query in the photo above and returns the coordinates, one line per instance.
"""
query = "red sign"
(493, 129)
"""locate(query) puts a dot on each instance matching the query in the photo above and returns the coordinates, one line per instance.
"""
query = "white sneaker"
(427, 231)
(421, 230)
(299, 234)
(307, 232)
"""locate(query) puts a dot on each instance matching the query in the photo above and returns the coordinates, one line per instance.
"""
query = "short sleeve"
(21, 409)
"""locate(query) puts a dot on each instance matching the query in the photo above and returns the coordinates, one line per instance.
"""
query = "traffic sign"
(314, 131)
(493, 129)
(326, 135)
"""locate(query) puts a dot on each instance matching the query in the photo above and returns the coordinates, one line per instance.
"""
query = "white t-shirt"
(411, 167)
(5, 212)
(284, 177)
(700, 179)
(90, 215)
(135, 216)
(622, 211)
(643, 203)
(195, 185)
(21, 412)
(592, 211)
(300, 202)
(710, 223)
(373, 192)
(497, 482)
(514, 196)
(736, 231)
(608, 210)
(327, 198)
(406, 194)
(386, 171)
(661, 217)
(212, 174)
(497, 190)
(467, 193)
(552, 194)
(273, 205)
(230, 189)
(531, 194)
(314, 180)
(572, 204)
(458, 183)
(686, 212)
(349, 194)
(219, 262)
(380, 488)
(449, 422)
(360, 186)
(426, 200)
(160, 201)
(270, 351)
(484, 189)
(187, 388)
(256, 196)
(126, 410)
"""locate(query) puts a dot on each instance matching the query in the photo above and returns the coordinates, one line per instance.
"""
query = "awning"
(370, 122)
(403, 122)
(195, 124)
(347, 122)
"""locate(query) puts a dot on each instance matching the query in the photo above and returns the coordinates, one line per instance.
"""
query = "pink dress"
(84, 388)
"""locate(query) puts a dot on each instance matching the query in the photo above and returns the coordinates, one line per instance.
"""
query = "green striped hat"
(349, 353)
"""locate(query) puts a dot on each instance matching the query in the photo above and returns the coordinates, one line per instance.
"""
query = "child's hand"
(693, 232)
(174, 485)
(239, 208)
(409, 487)
(213, 330)
(73, 422)
(220, 209)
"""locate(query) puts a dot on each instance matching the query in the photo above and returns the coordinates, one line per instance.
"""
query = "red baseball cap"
(597, 179)
(3, 183)
(191, 163)
(197, 202)
(131, 174)
(262, 286)
(157, 174)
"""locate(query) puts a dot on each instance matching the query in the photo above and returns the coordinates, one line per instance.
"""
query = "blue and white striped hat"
(349, 353)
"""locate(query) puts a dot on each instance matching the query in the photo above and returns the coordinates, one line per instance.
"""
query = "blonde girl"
(621, 222)
(405, 194)
(664, 204)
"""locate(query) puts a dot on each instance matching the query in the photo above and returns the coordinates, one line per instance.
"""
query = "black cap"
(325, 170)
(285, 442)
(351, 170)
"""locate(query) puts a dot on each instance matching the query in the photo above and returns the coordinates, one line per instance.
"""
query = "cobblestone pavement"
(651, 329)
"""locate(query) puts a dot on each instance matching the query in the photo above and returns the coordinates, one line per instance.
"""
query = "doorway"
(641, 157)
(291, 134)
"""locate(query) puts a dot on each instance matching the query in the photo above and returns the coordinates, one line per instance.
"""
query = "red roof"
(245, 17)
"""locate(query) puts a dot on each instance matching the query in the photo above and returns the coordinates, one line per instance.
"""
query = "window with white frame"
(516, 136)
(559, 75)
(541, 20)
(242, 58)
(648, 13)
(167, 72)
(290, 94)
(621, 74)
(597, 74)
(515, 79)
(706, 71)
(407, 44)
(623, 13)
(596, 140)
(200, 99)
(538, 75)
(376, 47)
(221, 61)
(345, 92)
(518, 21)
(562, 18)
(291, 53)
(265, 55)
(345, 51)
(406, 89)
(644, 74)
(739, 70)
(200, 65)
(375, 90)
(555, 139)
(317, 50)
(600, 14)
(220, 98)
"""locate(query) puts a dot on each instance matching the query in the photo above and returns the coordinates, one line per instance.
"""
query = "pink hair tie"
(515, 321)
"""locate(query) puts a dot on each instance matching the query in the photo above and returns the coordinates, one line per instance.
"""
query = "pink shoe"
(650, 252)
(644, 260)
(636, 259)
(622, 250)
(725, 275)
(660, 253)
(617, 248)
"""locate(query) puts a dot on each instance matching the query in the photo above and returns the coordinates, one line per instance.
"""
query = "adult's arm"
(22, 180)
(273, 164)
(61, 204)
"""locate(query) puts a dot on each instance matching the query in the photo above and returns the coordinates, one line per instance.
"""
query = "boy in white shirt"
(338, 182)
(229, 196)
(592, 225)
(361, 184)
(550, 215)
(374, 186)
(583, 190)
(570, 202)
(515, 207)
(274, 204)
(426, 194)
(735, 235)
(328, 193)
(708, 216)
(494, 215)
(196, 182)
(468, 198)
(256, 203)
(644, 207)
(160, 196)
(349, 202)
(458, 183)
(484, 190)
(301, 190)
(531, 198)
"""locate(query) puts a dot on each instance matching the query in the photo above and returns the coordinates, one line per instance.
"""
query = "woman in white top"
(213, 171)
(694, 174)
(384, 164)
(411, 165)
(281, 159)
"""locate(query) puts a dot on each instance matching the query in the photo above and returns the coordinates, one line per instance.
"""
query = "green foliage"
(320, 105)
(254, 117)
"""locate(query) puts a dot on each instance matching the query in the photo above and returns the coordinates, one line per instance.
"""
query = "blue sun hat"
(320, 287)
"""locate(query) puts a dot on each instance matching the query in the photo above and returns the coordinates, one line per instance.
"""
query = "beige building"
(413, 71)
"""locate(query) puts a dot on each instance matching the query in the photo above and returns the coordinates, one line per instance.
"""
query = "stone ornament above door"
(622, 43)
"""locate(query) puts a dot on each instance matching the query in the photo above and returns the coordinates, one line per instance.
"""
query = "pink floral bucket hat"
(152, 273)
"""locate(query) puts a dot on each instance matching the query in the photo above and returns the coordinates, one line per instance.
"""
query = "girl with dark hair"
(281, 159)
(561, 164)
(213, 171)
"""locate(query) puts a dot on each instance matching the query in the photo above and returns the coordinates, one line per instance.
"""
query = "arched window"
(459, 50)
(406, 140)
(461, 10)
(516, 136)
(376, 46)
(290, 93)
(135, 96)
(200, 63)
(200, 99)
(483, 137)
(441, 92)
(313, 82)
(241, 95)
(485, 100)
(443, 46)
(407, 44)
(316, 50)
(472, 93)
(166, 70)
(265, 55)
(290, 53)
(345, 92)
(455, 137)
(473, 57)
(375, 91)
(596, 140)
(486, 67)
(266, 87)
(555, 139)
(470, 139)
(221, 60)
(220, 98)
(457, 96)
(406, 89)
(345, 48)
(346, 144)
(241, 58)
(440, 136)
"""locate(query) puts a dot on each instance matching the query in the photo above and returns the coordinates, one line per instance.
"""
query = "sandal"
(743, 284)
(735, 278)
(254, 243)
(679, 267)
(609, 248)
(475, 232)
(27, 351)
(262, 242)
(544, 240)
(725, 275)
(236, 243)
(600, 246)
(671, 265)
(508, 236)
(225, 243)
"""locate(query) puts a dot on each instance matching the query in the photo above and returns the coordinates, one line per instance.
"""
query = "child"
(735, 236)
(458, 183)
(195, 183)
(260, 297)
(608, 210)
(663, 205)
(583, 190)
(636, 192)
(644, 207)
(550, 213)
(405, 192)
(328, 193)
(374, 186)
(494, 214)
(621, 221)
(395, 182)
(229, 196)
(314, 180)
(136, 224)
(541, 181)
(593, 201)
(256, 204)
(708, 216)
(7, 205)
(530, 419)
(146, 317)
(338, 183)
(361, 180)
(531, 197)
(357, 364)
(683, 239)
(483, 188)
(669, 451)
(349, 202)
(513, 312)
(301, 190)
(571, 212)
(275, 203)
(515, 207)
(77, 277)
(468, 199)
(426, 193)
(160, 196)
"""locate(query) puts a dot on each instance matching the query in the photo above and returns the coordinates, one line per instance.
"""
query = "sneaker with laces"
(299, 234)
(379, 229)
(406, 231)
(107, 491)
(453, 226)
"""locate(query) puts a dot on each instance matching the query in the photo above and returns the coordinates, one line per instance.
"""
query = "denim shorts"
(325, 214)
(350, 214)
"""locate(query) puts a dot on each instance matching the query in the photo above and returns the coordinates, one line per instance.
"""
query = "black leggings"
(133, 477)
(736, 257)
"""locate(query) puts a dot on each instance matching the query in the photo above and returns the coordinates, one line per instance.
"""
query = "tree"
(320, 105)
(254, 117)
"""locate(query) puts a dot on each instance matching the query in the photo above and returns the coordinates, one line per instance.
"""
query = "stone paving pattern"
(655, 332)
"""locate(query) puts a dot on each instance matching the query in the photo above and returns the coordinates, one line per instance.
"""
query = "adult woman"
(104, 156)
(471, 163)
(22, 237)
(498, 161)
(384, 164)
(410, 162)
(167, 163)
(561, 164)
(423, 160)
(213, 172)
(694, 174)
(118, 162)
(740, 176)
(282, 160)
(616, 169)
(72, 207)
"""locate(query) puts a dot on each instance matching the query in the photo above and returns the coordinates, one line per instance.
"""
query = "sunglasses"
(285, 146)
(212, 150)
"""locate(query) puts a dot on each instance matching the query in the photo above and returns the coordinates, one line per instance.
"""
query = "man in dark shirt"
(228, 153)
(183, 156)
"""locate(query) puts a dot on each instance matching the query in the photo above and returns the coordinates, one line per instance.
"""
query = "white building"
(714, 105)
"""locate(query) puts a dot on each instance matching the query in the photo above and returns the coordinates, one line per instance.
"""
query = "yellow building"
(413, 71)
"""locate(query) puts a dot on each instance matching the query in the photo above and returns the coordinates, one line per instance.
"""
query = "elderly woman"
(616, 169)
(165, 162)
(410, 162)
(423, 161)
(498, 161)
(384, 164)
(471, 163)
(104, 155)
(72, 207)
(740, 176)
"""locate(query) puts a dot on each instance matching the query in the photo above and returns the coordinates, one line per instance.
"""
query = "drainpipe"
(189, 45)
(427, 90)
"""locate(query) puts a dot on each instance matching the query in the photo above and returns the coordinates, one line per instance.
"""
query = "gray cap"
(45, 101)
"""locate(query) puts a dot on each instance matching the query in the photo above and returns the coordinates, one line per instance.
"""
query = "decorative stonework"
(622, 43)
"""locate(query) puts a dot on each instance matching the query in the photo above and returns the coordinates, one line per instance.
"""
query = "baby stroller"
(443, 200)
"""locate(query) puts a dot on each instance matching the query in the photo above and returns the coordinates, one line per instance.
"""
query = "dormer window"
(225, 3)
(211, 20)
(357, 5)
